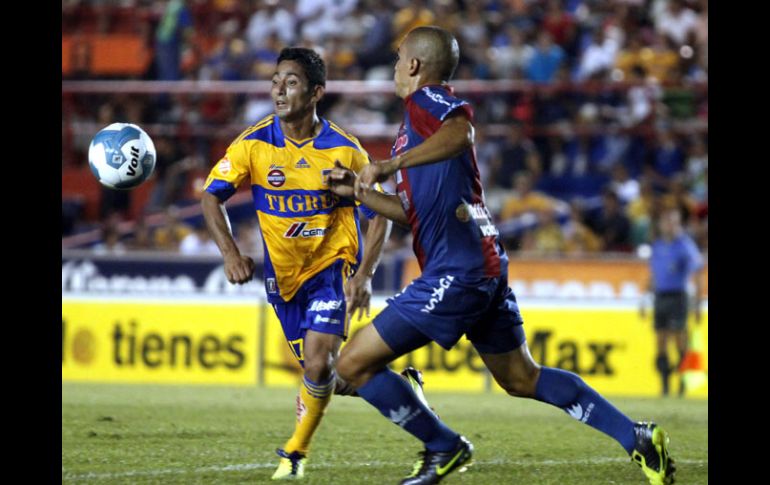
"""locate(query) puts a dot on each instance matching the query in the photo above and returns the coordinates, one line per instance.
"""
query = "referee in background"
(674, 260)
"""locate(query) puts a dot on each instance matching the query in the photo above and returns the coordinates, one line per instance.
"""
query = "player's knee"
(521, 382)
(319, 369)
(350, 370)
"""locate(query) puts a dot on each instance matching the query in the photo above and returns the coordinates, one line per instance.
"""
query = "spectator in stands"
(612, 225)
(513, 56)
(517, 154)
(559, 24)
(677, 23)
(270, 18)
(697, 166)
(546, 60)
(110, 238)
(579, 239)
(142, 237)
(623, 185)
(175, 29)
(198, 243)
(598, 58)
(168, 236)
(375, 49)
(640, 213)
(668, 156)
(524, 199)
(548, 239)
(678, 198)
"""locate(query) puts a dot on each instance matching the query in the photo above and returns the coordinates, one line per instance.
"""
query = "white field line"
(66, 476)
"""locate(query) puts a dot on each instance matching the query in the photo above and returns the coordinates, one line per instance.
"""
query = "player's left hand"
(358, 294)
(376, 172)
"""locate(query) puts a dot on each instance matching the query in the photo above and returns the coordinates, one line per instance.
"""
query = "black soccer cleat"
(414, 378)
(651, 453)
(433, 466)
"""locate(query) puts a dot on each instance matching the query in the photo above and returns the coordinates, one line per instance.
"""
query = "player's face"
(291, 93)
(401, 74)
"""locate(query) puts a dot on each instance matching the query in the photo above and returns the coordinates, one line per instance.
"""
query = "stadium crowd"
(608, 127)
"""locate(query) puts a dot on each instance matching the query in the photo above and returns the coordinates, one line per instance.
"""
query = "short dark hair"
(311, 62)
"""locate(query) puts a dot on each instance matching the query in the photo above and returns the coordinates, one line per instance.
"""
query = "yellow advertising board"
(159, 342)
(612, 349)
(242, 343)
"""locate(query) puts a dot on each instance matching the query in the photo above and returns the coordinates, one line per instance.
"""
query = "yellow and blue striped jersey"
(305, 227)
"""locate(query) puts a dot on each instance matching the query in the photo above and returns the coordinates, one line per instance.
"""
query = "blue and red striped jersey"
(452, 229)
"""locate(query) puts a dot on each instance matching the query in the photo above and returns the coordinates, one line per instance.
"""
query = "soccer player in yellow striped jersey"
(316, 272)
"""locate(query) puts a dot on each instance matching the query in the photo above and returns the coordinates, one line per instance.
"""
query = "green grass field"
(189, 434)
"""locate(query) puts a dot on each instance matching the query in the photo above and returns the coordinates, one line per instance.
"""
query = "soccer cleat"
(433, 466)
(651, 453)
(291, 466)
(414, 378)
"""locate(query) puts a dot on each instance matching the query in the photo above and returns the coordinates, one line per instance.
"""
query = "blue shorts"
(319, 305)
(443, 309)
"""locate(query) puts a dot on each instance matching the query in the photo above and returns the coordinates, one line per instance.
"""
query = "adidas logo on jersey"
(302, 164)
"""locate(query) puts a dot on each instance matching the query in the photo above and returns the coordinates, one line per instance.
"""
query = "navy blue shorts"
(443, 309)
(319, 305)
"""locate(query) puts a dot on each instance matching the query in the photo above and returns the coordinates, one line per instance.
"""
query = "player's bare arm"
(238, 268)
(358, 289)
(454, 137)
(343, 182)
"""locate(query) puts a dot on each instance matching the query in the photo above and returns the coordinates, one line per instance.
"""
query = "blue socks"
(396, 400)
(568, 391)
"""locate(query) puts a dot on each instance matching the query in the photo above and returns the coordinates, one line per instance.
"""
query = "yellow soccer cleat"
(651, 453)
(291, 466)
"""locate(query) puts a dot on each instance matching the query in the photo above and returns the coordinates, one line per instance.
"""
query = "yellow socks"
(311, 404)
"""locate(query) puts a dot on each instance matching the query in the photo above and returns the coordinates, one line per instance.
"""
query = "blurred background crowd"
(603, 125)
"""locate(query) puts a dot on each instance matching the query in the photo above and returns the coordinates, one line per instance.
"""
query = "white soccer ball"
(121, 156)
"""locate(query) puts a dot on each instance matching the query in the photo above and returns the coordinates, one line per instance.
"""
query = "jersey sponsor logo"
(302, 164)
(438, 293)
(320, 319)
(275, 166)
(303, 202)
(321, 305)
(298, 230)
(224, 166)
(276, 178)
(401, 142)
(488, 230)
(479, 212)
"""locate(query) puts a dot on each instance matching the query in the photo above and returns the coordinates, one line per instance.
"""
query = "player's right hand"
(342, 180)
(376, 172)
(239, 269)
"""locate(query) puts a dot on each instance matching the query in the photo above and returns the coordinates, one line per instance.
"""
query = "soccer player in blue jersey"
(463, 289)
(674, 260)
(315, 267)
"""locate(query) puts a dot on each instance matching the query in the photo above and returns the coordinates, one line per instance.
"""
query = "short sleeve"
(229, 172)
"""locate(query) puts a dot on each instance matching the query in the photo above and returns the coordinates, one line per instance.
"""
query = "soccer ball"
(121, 156)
